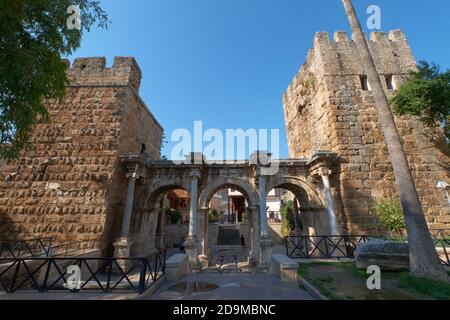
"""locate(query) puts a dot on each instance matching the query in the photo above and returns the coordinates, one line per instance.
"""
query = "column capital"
(261, 158)
(322, 172)
(195, 173)
(132, 175)
(135, 171)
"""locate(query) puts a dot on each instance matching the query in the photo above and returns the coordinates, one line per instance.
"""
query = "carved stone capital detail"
(195, 173)
(324, 172)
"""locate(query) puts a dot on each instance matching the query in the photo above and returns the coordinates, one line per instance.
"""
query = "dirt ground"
(342, 281)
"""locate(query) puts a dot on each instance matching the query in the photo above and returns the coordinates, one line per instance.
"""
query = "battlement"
(377, 36)
(93, 71)
(340, 56)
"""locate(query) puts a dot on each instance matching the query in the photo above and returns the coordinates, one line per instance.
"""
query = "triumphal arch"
(148, 180)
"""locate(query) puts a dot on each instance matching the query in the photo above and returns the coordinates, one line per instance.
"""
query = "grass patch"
(434, 289)
(303, 271)
(328, 279)
(320, 282)
(321, 286)
(351, 267)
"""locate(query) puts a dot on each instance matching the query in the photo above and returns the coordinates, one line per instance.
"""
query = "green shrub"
(245, 217)
(287, 219)
(174, 215)
(389, 216)
(213, 215)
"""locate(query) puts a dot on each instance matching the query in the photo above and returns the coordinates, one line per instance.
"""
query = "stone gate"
(148, 180)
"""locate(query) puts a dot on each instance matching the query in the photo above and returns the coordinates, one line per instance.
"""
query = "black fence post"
(47, 273)
(143, 272)
(327, 252)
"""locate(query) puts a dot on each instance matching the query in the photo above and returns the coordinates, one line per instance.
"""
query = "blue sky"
(228, 62)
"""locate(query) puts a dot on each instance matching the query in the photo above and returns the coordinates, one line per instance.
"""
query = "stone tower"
(329, 106)
(69, 186)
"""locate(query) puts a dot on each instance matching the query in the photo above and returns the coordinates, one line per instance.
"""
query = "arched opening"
(302, 214)
(229, 216)
(163, 221)
(228, 206)
(227, 223)
(295, 208)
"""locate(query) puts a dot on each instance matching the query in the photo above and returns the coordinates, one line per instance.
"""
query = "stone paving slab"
(235, 286)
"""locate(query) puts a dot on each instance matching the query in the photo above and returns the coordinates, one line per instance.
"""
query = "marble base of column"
(203, 259)
(253, 259)
(191, 247)
(122, 249)
(266, 253)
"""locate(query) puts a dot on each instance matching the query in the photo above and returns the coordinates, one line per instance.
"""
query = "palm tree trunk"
(424, 260)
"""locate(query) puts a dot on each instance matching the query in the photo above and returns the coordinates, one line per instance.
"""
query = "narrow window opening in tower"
(390, 82)
(143, 148)
(365, 83)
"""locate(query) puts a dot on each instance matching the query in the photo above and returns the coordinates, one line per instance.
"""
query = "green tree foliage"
(245, 217)
(287, 219)
(174, 215)
(161, 147)
(33, 38)
(213, 215)
(389, 216)
(426, 94)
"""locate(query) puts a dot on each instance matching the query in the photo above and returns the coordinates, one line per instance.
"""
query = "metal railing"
(329, 247)
(441, 239)
(25, 248)
(336, 247)
(104, 275)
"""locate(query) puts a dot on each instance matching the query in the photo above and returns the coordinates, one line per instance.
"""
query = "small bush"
(287, 219)
(174, 215)
(213, 215)
(389, 216)
(245, 217)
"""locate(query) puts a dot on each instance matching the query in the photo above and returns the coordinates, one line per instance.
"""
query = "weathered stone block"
(284, 267)
(177, 266)
(388, 255)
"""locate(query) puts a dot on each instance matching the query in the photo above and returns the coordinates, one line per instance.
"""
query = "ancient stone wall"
(329, 106)
(70, 185)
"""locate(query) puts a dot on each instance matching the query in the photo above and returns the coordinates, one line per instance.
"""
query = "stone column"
(127, 212)
(203, 237)
(255, 237)
(330, 205)
(122, 247)
(263, 207)
(265, 241)
(191, 243)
